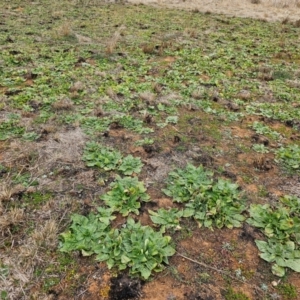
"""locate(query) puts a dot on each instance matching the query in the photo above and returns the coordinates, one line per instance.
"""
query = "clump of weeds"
(146, 133)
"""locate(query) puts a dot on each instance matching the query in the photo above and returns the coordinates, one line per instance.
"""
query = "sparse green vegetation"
(289, 157)
(10, 129)
(145, 141)
(112, 133)
(35, 199)
(260, 128)
(288, 291)
(260, 148)
(108, 159)
(232, 295)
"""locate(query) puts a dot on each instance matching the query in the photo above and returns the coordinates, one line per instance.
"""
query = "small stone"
(274, 283)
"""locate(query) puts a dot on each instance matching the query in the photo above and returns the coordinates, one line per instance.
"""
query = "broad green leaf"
(188, 212)
(87, 253)
(277, 270)
(261, 245)
(102, 257)
(269, 232)
(280, 261)
(125, 259)
(169, 251)
(238, 217)
(290, 246)
(293, 264)
(207, 223)
(79, 219)
(145, 272)
(286, 224)
(110, 263)
(267, 256)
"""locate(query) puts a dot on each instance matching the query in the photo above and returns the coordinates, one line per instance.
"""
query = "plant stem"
(257, 289)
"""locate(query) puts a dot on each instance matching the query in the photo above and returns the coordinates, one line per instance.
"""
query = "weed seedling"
(125, 195)
(97, 156)
(287, 291)
(232, 295)
(281, 226)
(130, 165)
(289, 157)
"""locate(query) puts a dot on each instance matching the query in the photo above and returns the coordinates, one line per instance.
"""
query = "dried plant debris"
(165, 148)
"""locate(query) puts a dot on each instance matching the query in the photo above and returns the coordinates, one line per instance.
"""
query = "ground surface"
(271, 10)
(170, 88)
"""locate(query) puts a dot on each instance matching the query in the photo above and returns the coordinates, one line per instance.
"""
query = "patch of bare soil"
(207, 263)
(269, 10)
(204, 263)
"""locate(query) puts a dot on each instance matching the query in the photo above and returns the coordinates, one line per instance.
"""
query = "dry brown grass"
(293, 83)
(32, 252)
(148, 97)
(59, 151)
(46, 235)
(13, 217)
(65, 30)
(18, 277)
(157, 87)
(83, 39)
(58, 14)
(77, 87)
(5, 193)
(148, 48)
(63, 104)
(265, 73)
(270, 10)
(281, 3)
(191, 32)
(297, 23)
(111, 94)
(198, 93)
(111, 44)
